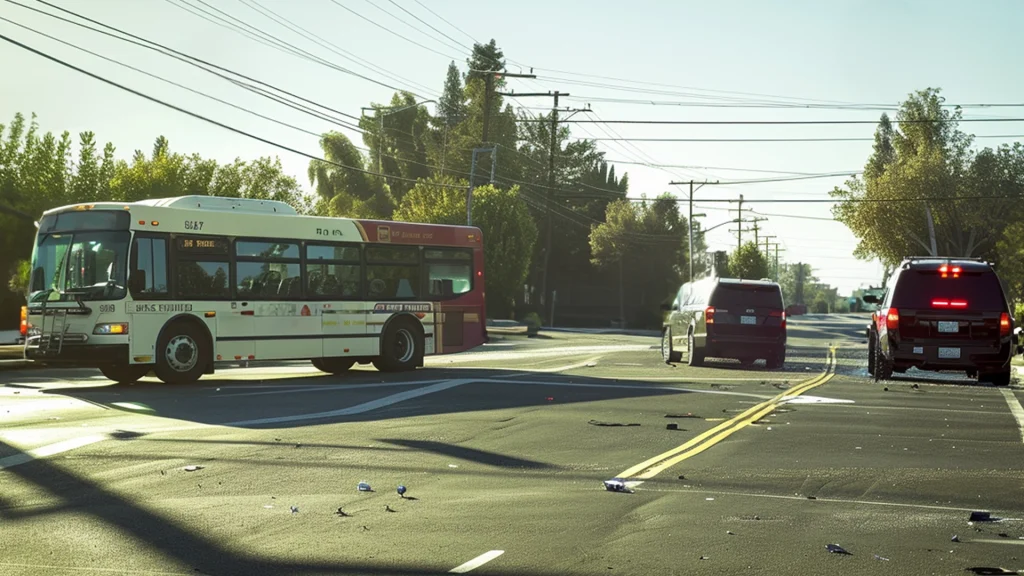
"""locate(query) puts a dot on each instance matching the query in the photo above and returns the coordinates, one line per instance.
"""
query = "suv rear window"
(917, 288)
(747, 295)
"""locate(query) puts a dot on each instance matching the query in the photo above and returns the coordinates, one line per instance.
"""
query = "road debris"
(342, 513)
(709, 499)
(837, 549)
(364, 487)
(613, 424)
(401, 491)
(812, 497)
(955, 538)
(687, 415)
(453, 465)
(192, 468)
(295, 509)
(730, 532)
(389, 509)
(883, 559)
(672, 426)
(617, 485)
(981, 516)
(681, 477)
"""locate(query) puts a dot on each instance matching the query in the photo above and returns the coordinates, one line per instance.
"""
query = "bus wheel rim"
(181, 353)
(405, 346)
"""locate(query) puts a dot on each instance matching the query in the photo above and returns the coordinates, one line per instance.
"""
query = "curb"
(17, 364)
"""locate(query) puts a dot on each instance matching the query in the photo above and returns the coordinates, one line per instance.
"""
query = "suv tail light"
(892, 319)
(1004, 324)
(24, 320)
(779, 314)
(709, 315)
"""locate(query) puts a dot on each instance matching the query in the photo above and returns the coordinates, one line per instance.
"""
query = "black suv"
(726, 318)
(945, 315)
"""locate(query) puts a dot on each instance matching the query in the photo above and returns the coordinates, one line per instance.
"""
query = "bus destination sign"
(196, 245)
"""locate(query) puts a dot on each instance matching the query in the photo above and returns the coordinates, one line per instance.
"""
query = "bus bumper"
(80, 355)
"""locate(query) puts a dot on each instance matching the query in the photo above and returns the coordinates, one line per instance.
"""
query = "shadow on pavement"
(357, 396)
(469, 454)
(153, 531)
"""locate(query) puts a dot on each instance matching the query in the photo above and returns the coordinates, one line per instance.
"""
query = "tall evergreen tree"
(451, 108)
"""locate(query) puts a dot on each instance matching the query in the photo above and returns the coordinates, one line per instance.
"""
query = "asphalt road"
(504, 451)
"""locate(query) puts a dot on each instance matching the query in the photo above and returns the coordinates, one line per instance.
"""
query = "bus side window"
(150, 256)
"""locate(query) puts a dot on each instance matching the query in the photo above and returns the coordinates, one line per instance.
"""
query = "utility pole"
(799, 292)
(776, 245)
(740, 220)
(755, 221)
(689, 220)
(552, 183)
(766, 238)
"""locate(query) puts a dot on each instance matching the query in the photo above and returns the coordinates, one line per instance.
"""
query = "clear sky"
(853, 52)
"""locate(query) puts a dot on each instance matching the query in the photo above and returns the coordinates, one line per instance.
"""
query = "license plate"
(949, 327)
(748, 319)
(949, 353)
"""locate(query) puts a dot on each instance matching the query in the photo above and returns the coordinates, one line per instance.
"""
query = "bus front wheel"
(125, 373)
(401, 347)
(182, 353)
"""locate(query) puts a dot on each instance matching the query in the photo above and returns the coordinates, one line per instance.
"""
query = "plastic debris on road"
(882, 558)
(401, 490)
(295, 509)
(955, 538)
(192, 468)
(342, 513)
(616, 485)
(979, 516)
(672, 426)
(709, 499)
(453, 465)
(837, 549)
(364, 487)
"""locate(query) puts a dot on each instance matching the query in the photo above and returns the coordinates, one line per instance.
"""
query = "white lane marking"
(358, 408)
(1015, 408)
(50, 450)
(298, 389)
(994, 541)
(528, 354)
(476, 562)
(813, 400)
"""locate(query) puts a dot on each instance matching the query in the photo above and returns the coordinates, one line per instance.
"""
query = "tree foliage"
(928, 167)
(748, 262)
(645, 243)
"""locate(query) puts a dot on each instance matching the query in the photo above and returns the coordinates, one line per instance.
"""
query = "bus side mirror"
(137, 281)
(870, 299)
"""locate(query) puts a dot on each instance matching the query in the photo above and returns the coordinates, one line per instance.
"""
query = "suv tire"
(694, 357)
(777, 360)
(883, 368)
(997, 378)
(871, 355)
(667, 353)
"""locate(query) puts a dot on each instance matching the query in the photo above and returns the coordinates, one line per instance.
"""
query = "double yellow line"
(653, 466)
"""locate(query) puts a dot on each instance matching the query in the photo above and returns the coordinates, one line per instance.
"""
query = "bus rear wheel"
(182, 353)
(333, 365)
(125, 373)
(401, 347)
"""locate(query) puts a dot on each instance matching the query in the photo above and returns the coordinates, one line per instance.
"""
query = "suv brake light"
(1004, 324)
(892, 319)
(942, 303)
(709, 315)
(779, 314)
(24, 320)
(945, 270)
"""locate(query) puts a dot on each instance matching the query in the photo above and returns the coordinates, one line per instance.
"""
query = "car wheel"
(401, 347)
(883, 368)
(125, 373)
(998, 378)
(871, 356)
(333, 365)
(182, 353)
(667, 353)
(694, 357)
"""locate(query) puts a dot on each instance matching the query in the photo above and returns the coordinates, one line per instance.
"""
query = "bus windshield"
(79, 266)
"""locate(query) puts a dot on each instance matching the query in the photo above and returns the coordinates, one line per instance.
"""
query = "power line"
(269, 40)
(851, 107)
(392, 32)
(207, 119)
(771, 139)
(458, 45)
(784, 122)
(439, 17)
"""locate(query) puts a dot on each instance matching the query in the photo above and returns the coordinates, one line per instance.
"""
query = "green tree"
(485, 57)
(971, 196)
(502, 216)
(451, 107)
(398, 137)
(645, 244)
(748, 262)
(343, 184)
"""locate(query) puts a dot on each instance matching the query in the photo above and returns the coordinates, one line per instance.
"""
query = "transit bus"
(176, 285)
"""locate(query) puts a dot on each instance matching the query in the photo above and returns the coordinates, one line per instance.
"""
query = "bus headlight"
(116, 328)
